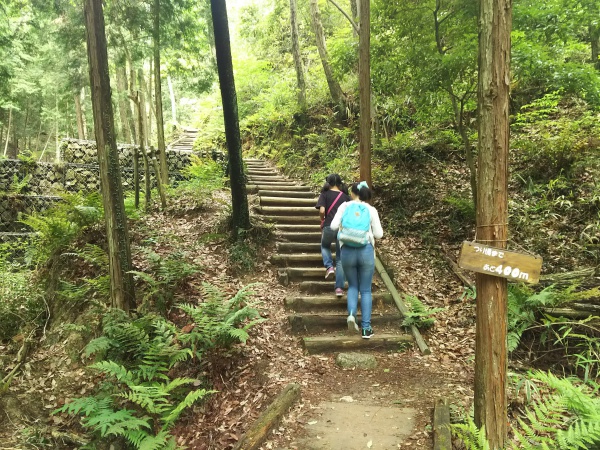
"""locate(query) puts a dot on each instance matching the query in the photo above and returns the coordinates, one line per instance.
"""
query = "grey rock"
(356, 360)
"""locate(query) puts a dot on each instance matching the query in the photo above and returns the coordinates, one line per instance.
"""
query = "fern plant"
(219, 322)
(567, 417)
(419, 314)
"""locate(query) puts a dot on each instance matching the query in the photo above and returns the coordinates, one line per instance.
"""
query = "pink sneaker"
(329, 272)
(339, 292)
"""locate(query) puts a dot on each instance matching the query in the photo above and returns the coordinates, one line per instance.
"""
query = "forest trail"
(185, 142)
(319, 317)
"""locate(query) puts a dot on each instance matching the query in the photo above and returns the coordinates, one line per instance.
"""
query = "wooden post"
(364, 86)
(119, 255)
(495, 23)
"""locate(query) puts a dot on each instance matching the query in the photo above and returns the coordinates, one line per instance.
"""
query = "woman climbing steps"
(359, 226)
(332, 196)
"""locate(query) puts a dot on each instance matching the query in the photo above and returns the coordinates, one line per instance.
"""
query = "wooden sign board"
(500, 263)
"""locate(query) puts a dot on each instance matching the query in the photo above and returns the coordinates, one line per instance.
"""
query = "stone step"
(279, 184)
(303, 259)
(294, 220)
(284, 201)
(292, 228)
(315, 323)
(320, 287)
(330, 302)
(287, 194)
(333, 344)
(299, 236)
(289, 211)
(250, 160)
(300, 247)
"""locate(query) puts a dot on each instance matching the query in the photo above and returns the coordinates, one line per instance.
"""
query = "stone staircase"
(315, 312)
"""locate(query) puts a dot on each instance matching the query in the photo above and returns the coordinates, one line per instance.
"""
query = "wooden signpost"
(499, 262)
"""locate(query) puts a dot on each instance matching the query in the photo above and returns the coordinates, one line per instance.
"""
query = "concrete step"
(267, 179)
(279, 186)
(284, 201)
(380, 342)
(300, 247)
(289, 211)
(320, 287)
(306, 273)
(295, 260)
(293, 220)
(293, 228)
(287, 194)
(330, 302)
(299, 236)
(315, 323)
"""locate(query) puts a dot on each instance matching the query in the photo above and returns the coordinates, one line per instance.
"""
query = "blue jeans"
(359, 266)
(329, 237)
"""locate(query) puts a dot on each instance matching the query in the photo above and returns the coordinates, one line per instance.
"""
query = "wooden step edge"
(305, 303)
(314, 322)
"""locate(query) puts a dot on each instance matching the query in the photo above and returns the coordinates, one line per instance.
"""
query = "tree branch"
(352, 22)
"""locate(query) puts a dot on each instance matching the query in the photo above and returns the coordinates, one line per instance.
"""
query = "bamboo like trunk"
(83, 118)
(123, 104)
(79, 115)
(495, 22)
(172, 97)
(160, 128)
(143, 139)
(8, 131)
(296, 54)
(119, 254)
(239, 198)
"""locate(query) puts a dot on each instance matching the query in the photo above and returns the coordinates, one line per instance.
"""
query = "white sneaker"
(351, 321)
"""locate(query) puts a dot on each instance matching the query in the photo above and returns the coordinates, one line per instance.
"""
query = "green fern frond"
(116, 422)
(118, 371)
(98, 345)
(189, 400)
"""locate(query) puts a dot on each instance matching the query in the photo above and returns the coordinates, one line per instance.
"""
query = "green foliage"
(203, 176)
(523, 305)
(419, 314)
(567, 417)
(166, 275)
(58, 227)
(219, 323)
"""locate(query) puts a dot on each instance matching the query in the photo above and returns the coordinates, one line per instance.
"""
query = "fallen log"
(566, 277)
(401, 306)
(458, 272)
(262, 426)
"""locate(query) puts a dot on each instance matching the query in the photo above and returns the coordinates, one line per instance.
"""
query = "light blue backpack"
(355, 225)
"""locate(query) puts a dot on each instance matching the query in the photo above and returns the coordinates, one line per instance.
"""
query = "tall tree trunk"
(354, 9)
(337, 96)
(8, 131)
(172, 97)
(160, 127)
(123, 103)
(459, 123)
(13, 150)
(297, 57)
(79, 115)
(132, 116)
(57, 151)
(140, 104)
(495, 22)
(37, 141)
(119, 254)
(142, 84)
(239, 198)
(148, 88)
(364, 86)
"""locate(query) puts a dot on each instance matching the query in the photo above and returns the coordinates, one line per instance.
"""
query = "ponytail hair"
(332, 180)
(362, 191)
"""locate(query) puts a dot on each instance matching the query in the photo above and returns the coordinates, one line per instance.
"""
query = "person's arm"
(335, 223)
(322, 212)
(376, 224)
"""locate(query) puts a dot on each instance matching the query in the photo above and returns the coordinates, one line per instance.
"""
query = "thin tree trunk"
(159, 186)
(160, 127)
(123, 104)
(83, 118)
(239, 198)
(57, 150)
(27, 115)
(149, 105)
(8, 131)
(121, 279)
(79, 114)
(172, 97)
(595, 45)
(495, 24)
(459, 123)
(337, 96)
(141, 106)
(364, 86)
(45, 147)
(13, 150)
(37, 141)
(296, 54)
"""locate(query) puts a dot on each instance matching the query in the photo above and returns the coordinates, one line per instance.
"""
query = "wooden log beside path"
(260, 429)
(442, 437)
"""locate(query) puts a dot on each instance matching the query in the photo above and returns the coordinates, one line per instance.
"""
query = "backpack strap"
(333, 204)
